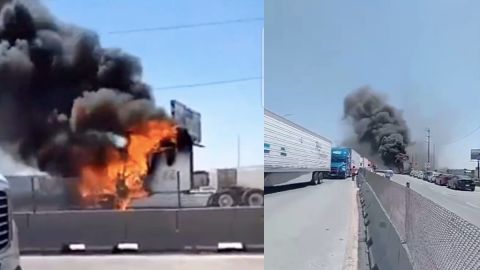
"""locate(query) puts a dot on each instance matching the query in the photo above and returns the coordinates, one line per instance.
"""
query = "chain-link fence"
(436, 238)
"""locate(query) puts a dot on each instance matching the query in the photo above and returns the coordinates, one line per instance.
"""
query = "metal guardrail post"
(34, 198)
(178, 190)
(407, 212)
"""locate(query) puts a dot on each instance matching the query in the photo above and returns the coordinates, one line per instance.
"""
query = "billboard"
(188, 119)
(475, 154)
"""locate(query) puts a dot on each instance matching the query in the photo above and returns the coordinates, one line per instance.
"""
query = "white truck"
(293, 154)
(9, 251)
(357, 159)
(236, 187)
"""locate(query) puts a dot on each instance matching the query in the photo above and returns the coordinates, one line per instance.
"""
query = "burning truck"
(77, 110)
(146, 168)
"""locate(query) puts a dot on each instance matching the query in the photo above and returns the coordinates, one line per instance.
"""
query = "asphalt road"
(144, 262)
(466, 204)
(312, 227)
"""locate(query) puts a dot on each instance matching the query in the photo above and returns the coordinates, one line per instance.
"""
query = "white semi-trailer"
(356, 159)
(292, 153)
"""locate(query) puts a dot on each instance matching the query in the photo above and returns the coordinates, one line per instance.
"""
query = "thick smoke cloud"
(378, 125)
(61, 93)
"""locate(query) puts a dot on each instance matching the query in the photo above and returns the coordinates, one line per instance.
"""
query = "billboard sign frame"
(475, 154)
(188, 119)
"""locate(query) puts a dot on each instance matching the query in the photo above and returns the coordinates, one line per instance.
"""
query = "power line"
(208, 83)
(185, 26)
(464, 137)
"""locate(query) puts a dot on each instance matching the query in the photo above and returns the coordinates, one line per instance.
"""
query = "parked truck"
(344, 159)
(237, 187)
(231, 187)
(292, 153)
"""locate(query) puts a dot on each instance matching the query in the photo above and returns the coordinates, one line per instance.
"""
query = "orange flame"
(122, 178)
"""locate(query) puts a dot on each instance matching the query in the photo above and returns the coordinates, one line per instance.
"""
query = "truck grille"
(4, 220)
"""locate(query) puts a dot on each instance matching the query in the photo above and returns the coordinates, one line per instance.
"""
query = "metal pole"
(262, 97)
(178, 190)
(407, 214)
(428, 146)
(34, 199)
(478, 168)
(433, 157)
(238, 151)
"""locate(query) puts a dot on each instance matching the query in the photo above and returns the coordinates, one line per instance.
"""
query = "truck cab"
(9, 251)
(341, 160)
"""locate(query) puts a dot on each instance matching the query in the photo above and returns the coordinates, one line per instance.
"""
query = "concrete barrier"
(386, 248)
(205, 227)
(22, 221)
(50, 231)
(154, 230)
(248, 227)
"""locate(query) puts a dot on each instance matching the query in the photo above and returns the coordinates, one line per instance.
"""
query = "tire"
(225, 199)
(320, 177)
(212, 200)
(253, 197)
(314, 180)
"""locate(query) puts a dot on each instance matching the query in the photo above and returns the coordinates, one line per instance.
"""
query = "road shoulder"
(351, 252)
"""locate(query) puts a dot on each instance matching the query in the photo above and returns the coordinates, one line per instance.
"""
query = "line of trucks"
(294, 154)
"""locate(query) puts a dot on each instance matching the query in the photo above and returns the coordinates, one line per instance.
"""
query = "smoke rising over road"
(376, 124)
(63, 96)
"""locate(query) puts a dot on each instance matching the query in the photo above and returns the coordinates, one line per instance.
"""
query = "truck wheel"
(320, 177)
(212, 200)
(225, 199)
(253, 197)
(313, 182)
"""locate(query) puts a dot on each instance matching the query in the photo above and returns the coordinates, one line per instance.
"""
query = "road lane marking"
(473, 205)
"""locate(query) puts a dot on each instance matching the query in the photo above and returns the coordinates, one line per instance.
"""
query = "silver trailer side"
(292, 153)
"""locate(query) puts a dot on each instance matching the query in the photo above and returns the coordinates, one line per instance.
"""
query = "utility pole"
(433, 157)
(478, 168)
(428, 147)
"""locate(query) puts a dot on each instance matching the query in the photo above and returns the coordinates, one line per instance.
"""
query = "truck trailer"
(293, 154)
(236, 187)
(344, 159)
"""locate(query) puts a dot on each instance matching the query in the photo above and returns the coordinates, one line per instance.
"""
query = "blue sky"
(424, 55)
(190, 56)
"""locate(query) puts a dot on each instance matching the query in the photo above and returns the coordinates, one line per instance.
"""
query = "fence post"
(178, 190)
(34, 197)
(407, 212)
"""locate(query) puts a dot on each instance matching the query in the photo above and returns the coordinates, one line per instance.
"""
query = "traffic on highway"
(118, 146)
(371, 135)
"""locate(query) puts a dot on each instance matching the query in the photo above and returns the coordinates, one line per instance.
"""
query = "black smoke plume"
(62, 95)
(378, 125)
